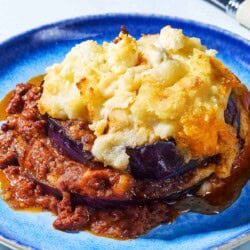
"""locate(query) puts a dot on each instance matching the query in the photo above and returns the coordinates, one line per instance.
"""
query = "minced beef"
(97, 198)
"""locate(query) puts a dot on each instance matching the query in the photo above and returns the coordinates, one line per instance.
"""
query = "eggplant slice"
(59, 164)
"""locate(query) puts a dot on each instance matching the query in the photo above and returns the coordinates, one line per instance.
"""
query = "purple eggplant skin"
(154, 161)
(161, 160)
(232, 114)
(157, 161)
(106, 203)
(66, 145)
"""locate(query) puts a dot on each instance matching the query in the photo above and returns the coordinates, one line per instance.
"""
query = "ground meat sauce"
(34, 174)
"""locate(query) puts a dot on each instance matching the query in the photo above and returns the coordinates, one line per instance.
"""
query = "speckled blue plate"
(29, 54)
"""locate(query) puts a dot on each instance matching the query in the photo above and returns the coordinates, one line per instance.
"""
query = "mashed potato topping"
(134, 92)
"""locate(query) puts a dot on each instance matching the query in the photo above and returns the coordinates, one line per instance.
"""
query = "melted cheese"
(134, 92)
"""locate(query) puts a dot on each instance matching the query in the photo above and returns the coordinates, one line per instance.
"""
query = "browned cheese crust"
(36, 175)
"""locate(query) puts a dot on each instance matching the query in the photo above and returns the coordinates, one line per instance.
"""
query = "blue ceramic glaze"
(29, 54)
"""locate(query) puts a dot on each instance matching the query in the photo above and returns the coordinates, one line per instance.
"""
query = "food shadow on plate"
(193, 223)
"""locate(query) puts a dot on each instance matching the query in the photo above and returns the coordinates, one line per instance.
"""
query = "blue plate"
(29, 54)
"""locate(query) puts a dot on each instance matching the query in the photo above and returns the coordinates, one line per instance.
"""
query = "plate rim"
(235, 242)
(230, 243)
(13, 244)
(113, 15)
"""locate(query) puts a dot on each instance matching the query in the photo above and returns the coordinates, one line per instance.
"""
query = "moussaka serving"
(123, 136)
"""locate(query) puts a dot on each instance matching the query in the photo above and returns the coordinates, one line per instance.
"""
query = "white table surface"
(17, 16)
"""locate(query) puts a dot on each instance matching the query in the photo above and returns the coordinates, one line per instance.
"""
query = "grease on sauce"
(36, 81)
(215, 202)
(225, 191)
(4, 182)
(4, 104)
